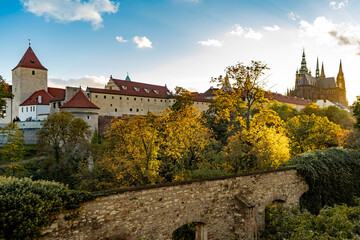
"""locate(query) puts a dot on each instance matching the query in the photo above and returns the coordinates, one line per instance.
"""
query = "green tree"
(356, 112)
(338, 116)
(13, 150)
(64, 139)
(312, 132)
(4, 93)
(285, 111)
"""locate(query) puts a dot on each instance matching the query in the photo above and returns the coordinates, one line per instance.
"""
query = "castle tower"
(27, 77)
(322, 75)
(340, 81)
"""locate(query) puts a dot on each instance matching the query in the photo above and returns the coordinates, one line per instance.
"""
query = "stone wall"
(226, 208)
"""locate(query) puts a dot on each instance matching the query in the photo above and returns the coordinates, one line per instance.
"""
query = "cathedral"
(319, 87)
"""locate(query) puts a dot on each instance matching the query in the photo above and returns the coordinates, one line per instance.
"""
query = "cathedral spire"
(303, 68)
(317, 68)
(340, 78)
(322, 75)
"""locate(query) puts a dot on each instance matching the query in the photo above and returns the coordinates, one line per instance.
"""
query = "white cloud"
(337, 5)
(142, 42)
(211, 43)
(324, 31)
(245, 32)
(274, 28)
(86, 81)
(72, 10)
(293, 16)
(121, 39)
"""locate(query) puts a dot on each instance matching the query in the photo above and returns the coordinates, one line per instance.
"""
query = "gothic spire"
(340, 77)
(317, 68)
(303, 68)
(322, 75)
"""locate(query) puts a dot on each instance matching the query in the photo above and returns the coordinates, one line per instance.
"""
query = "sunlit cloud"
(72, 10)
(210, 43)
(245, 32)
(120, 39)
(142, 42)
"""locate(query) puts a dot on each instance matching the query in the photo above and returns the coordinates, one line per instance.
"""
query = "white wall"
(32, 111)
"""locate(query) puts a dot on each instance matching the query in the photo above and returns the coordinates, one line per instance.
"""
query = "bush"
(26, 205)
(333, 176)
(339, 222)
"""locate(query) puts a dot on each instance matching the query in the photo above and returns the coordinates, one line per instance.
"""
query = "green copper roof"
(127, 78)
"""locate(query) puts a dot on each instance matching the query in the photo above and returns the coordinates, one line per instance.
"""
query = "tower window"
(115, 109)
(33, 72)
(137, 110)
(130, 109)
(104, 97)
(134, 98)
(120, 98)
(88, 117)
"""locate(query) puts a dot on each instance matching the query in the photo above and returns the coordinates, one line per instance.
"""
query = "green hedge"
(333, 176)
(26, 205)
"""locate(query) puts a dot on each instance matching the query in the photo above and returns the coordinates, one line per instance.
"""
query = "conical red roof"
(79, 100)
(29, 60)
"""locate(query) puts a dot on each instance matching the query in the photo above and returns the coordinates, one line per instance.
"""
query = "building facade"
(319, 87)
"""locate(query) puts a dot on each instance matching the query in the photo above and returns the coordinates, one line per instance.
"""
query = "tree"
(263, 146)
(241, 99)
(132, 151)
(184, 139)
(338, 116)
(312, 132)
(285, 111)
(63, 133)
(311, 108)
(184, 98)
(4, 93)
(356, 112)
(64, 139)
(13, 150)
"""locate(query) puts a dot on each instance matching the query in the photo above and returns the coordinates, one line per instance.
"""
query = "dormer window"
(124, 87)
(156, 91)
(168, 93)
(146, 90)
(137, 89)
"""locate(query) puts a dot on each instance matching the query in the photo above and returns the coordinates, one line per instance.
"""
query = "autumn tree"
(312, 132)
(183, 97)
(356, 112)
(263, 146)
(241, 95)
(132, 151)
(185, 138)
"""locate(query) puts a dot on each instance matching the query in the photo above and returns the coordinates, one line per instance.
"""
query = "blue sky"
(179, 42)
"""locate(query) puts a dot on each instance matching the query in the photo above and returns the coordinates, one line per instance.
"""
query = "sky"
(180, 42)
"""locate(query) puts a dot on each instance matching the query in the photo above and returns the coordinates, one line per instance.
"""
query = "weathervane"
(29, 42)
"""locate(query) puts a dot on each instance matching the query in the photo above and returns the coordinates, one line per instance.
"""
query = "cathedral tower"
(27, 77)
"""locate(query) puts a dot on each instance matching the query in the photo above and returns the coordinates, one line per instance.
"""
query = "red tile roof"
(142, 89)
(34, 98)
(56, 91)
(272, 96)
(200, 97)
(286, 99)
(29, 60)
(79, 100)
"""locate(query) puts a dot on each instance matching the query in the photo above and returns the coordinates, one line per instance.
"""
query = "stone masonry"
(231, 207)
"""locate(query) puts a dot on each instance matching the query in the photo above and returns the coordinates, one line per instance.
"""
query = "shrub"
(333, 176)
(26, 205)
(339, 222)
